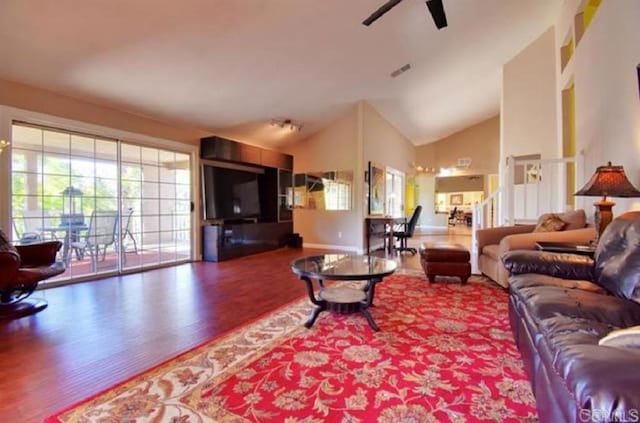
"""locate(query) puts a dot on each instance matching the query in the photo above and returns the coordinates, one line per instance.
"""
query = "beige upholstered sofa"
(494, 242)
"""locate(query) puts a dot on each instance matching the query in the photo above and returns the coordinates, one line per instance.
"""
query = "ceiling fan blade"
(437, 13)
(381, 11)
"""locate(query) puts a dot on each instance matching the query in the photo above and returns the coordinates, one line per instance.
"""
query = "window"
(113, 205)
(337, 195)
(395, 191)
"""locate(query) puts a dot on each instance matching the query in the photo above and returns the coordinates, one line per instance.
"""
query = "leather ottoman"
(443, 259)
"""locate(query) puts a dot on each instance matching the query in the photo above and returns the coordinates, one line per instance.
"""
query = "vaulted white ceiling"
(231, 66)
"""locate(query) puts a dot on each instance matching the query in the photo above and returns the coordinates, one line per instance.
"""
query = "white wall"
(349, 143)
(384, 144)
(336, 147)
(426, 197)
(528, 105)
(603, 69)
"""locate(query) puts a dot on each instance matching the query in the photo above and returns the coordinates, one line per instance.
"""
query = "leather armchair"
(22, 267)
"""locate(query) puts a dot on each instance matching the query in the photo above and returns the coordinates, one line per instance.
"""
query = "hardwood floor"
(96, 334)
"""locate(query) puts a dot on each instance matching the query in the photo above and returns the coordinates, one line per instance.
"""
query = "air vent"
(464, 162)
(400, 71)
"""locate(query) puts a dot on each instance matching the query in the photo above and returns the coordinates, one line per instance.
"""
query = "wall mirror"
(328, 190)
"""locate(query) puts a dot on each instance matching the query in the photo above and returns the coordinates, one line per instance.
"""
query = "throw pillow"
(622, 338)
(550, 223)
(576, 219)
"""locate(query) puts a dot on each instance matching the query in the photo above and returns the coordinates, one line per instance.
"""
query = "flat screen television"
(230, 193)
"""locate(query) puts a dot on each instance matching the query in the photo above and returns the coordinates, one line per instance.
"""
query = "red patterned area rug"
(444, 352)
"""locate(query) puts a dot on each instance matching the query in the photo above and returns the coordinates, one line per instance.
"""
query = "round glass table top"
(343, 266)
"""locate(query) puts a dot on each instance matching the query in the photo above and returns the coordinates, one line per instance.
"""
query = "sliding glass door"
(156, 192)
(114, 205)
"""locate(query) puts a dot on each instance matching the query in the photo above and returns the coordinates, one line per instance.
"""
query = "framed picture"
(376, 189)
(455, 199)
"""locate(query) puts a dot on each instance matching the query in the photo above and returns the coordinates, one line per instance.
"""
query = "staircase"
(528, 189)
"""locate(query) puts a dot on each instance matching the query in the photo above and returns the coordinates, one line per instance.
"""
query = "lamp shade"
(609, 181)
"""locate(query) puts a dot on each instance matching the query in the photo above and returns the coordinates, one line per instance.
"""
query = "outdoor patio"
(78, 268)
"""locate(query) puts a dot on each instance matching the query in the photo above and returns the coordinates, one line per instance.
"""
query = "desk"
(342, 267)
(71, 234)
(382, 226)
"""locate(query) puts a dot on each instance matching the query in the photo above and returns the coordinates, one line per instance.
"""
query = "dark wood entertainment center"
(236, 237)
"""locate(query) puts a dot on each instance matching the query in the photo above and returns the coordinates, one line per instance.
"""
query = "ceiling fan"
(436, 8)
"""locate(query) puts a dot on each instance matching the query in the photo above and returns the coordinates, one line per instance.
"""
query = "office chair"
(409, 228)
(453, 216)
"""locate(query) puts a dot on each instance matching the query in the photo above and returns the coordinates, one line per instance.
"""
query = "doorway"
(395, 191)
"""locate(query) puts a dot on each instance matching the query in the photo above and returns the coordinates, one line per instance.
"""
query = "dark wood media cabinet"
(218, 148)
(224, 240)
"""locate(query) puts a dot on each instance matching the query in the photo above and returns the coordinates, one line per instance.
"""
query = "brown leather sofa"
(494, 242)
(560, 307)
(22, 267)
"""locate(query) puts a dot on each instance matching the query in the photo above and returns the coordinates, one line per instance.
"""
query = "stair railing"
(532, 187)
(485, 214)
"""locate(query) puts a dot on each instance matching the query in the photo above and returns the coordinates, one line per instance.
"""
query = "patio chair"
(126, 233)
(101, 233)
(33, 222)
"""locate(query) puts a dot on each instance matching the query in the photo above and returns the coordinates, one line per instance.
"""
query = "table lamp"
(607, 181)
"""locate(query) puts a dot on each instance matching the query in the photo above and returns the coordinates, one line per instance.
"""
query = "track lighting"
(287, 123)
(421, 169)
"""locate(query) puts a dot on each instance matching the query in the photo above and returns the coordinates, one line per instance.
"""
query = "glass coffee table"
(342, 267)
